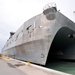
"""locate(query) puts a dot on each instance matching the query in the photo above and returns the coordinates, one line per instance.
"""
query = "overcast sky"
(13, 13)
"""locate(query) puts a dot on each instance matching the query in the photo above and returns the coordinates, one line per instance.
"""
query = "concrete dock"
(16, 67)
(8, 69)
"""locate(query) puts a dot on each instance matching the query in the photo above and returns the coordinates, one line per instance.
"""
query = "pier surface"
(8, 69)
(16, 67)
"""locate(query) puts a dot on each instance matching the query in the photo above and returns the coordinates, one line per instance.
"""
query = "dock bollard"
(7, 58)
(28, 63)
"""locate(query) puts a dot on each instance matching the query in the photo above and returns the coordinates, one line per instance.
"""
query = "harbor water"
(67, 66)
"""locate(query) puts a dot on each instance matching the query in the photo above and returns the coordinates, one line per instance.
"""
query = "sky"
(13, 13)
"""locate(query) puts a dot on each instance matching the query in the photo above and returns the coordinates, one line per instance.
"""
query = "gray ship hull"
(39, 39)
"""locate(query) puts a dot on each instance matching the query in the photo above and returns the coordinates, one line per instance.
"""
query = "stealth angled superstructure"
(47, 35)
